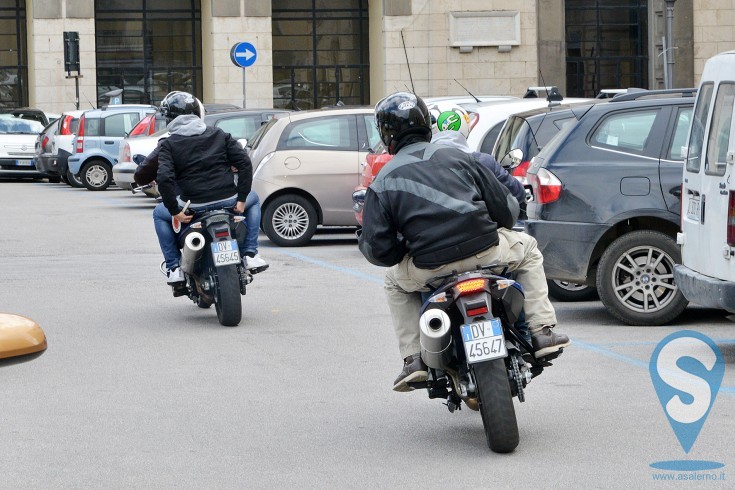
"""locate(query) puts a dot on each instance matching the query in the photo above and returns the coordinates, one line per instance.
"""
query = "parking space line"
(727, 390)
(327, 265)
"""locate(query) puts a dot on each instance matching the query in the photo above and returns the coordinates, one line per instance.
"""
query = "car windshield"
(10, 124)
(258, 136)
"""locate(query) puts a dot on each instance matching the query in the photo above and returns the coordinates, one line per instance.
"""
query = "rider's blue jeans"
(168, 239)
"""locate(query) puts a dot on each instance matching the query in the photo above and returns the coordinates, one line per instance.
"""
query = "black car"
(606, 198)
(529, 132)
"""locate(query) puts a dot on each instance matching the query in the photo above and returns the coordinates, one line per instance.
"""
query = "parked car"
(53, 147)
(240, 123)
(606, 196)
(493, 114)
(31, 114)
(306, 166)
(706, 275)
(17, 145)
(529, 132)
(97, 143)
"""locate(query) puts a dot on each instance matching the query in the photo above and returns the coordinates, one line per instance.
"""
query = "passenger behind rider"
(195, 164)
(451, 126)
(432, 210)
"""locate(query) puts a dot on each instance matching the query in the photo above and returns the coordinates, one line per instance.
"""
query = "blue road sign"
(243, 54)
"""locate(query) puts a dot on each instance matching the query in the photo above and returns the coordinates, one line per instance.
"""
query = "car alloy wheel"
(635, 279)
(96, 175)
(289, 220)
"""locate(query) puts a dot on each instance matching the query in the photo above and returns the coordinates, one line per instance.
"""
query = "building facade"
(311, 53)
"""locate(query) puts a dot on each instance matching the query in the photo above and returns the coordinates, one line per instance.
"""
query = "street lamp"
(669, 45)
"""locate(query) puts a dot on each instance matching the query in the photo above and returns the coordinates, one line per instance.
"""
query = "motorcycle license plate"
(225, 252)
(484, 340)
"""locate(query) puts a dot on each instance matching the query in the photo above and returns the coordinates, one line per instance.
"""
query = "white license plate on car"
(693, 208)
(24, 163)
(225, 253)
(484, 340)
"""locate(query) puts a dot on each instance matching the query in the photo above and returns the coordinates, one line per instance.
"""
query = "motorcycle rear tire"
(227, 300)
(496, 406)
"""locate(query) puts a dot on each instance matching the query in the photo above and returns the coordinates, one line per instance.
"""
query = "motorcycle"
(211, 262)
(475, 343)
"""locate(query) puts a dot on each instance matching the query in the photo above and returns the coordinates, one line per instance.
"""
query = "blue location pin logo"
(687, 369)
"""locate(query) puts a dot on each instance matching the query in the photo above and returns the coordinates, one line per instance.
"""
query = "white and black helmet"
(177, 104)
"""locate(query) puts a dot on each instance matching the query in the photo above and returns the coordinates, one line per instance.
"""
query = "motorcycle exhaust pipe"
(436, 338)
(192, 251)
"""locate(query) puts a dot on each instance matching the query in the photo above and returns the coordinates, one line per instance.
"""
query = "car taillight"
(521, 170)
(474, 119)
(44, 142)
(126, 156)
(80, 136)
(546, 186)
(66, 125)
(470, 286)
(731, 220)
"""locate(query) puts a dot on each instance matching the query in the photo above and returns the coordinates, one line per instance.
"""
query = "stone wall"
(49, 90)
(417, 53)
(714, 31)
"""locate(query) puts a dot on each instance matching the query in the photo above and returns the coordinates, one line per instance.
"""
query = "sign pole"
(243, 55)
(244, 91)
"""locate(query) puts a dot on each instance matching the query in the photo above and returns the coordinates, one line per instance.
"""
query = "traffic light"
(71, 51)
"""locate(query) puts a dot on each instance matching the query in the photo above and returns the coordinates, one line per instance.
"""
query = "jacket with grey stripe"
(436, 204)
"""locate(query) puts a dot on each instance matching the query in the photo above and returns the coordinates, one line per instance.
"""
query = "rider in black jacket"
(434, 209)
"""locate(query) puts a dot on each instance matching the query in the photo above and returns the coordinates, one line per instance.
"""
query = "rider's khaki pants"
(404, 283)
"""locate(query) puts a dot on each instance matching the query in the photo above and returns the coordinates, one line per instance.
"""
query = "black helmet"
(177, 104)
(399, 115)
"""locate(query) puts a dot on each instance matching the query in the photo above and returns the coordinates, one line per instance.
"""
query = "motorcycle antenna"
(413, 89)
(465, 89)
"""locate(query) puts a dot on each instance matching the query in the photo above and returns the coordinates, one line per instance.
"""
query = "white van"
(707, 238)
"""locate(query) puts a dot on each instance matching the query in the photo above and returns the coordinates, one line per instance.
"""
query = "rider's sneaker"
(175, 275)
(255, 264)
(414, 371)
(545, 341)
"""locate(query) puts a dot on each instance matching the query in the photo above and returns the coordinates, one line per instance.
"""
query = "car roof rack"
(552, 93)
(637, 93)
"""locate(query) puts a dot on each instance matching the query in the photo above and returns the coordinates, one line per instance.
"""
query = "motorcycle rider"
(432, 210)
(195, 164)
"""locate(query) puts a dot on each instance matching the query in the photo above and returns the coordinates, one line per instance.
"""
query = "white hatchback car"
(18, 145)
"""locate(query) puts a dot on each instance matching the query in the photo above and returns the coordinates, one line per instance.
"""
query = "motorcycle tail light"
(470, 286)
(481, 310)
(222, 234)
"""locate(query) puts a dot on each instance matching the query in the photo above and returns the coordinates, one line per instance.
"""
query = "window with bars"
(147, 48)
(320, 53)
(13, 54)
(607, 45)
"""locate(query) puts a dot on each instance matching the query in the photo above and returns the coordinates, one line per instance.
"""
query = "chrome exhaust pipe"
(436, 338)
(192, 251)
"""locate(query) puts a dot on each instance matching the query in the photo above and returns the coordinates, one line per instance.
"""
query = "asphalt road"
(142, 390)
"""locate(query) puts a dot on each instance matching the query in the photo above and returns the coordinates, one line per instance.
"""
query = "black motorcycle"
(474, 341)
(212, 266)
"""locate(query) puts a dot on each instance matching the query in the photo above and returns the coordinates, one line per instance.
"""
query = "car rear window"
(715, 162)
(242, 127)
(626, 131)
(696, 140)
(120, 124)
(323, 133)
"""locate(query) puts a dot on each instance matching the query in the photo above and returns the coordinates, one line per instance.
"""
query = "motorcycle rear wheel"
(227, 300)
(496, 406)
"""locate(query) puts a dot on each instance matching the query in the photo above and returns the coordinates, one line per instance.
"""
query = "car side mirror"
(21, 339)
(512, 159)
(243, 142)
(138, 158)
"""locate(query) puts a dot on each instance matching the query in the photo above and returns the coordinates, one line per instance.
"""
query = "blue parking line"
(327, 265)
(728, 390)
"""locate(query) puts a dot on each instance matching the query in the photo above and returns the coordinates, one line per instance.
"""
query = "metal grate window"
(320, 53)
(607, 45)
(147, 48)
(13, 54)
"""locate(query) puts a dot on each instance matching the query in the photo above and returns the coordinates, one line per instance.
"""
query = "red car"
(373, 163)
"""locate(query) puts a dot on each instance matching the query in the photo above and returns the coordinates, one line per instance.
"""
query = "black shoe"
(414, 371)
(546, 342)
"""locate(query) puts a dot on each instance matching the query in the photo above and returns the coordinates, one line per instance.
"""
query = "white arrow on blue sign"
(243, 54)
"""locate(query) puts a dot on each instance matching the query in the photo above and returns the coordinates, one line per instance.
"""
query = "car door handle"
(109, 142)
